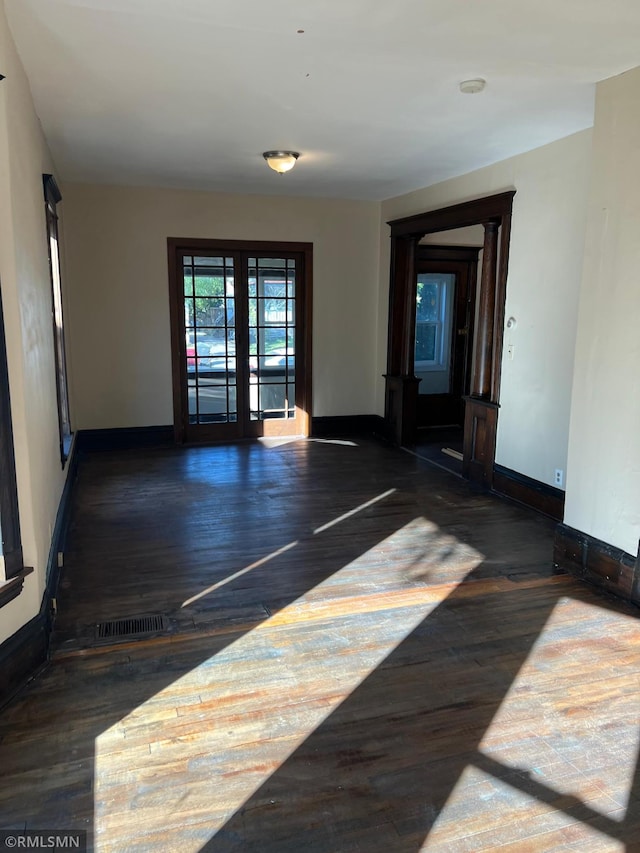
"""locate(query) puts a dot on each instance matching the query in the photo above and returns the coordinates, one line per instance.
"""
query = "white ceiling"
(189, 93)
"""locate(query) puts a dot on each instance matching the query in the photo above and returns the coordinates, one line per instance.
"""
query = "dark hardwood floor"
(361, 654)
(431, 442)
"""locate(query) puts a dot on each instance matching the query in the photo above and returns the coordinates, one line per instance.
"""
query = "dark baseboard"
(125, 438)
(529, 492)
(597, 562)
(26, 652)
(59, 538)
(348, 425)
(132, 438)
(21, 656)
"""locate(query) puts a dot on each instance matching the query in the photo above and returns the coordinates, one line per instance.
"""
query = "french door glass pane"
(209, 312)
(272, 316)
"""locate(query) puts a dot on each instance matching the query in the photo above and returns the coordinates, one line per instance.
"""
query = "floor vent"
(134, 626)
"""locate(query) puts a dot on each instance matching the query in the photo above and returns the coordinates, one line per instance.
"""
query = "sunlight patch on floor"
(339, 441)
(231, 722)
(564, 737)
(273, 441)
(484, 813)
(354, 511)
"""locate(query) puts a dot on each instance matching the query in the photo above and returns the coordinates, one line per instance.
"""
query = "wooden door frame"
(178, 345)
(401, 385)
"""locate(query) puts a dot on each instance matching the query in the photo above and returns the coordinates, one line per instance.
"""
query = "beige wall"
(603, 483)
(472, 236)
(118, 292)
(545, 268)
(26, 296)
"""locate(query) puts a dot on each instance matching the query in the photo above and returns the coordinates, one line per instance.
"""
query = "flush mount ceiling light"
(472, 87)
(281, 161)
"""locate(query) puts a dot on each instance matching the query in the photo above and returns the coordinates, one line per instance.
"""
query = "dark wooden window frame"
(52, 197)
(401, 391)
(175, 245)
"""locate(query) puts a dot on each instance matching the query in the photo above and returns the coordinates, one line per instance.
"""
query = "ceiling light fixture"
(281, 161)
(472, 87)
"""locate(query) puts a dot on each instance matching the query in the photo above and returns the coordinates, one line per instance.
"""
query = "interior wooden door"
(240, 318)
(445, 308)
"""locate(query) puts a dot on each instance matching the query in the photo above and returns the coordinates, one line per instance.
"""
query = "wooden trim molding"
(52, 197)
(9, 512)
(597, 562)
(12, 588)
(480, 427)
(455, 216)
(401, 407)
(529, 492)
(433, 252)
(22, 656)
(481, 411)
(27, 651)
(124, 438)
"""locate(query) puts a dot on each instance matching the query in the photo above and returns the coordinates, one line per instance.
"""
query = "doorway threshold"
(440, 446)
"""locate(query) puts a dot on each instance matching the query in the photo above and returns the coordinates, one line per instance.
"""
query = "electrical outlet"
(558, 478)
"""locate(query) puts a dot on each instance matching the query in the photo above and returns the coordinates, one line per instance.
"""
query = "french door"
(241, 338)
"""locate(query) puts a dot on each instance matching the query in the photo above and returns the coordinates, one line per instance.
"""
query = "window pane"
(427, 301)
(275, 311)
(211, 284)
(193, 400)
(274, 289)
(52, 197)
(210, 341)
(273, 341)
(188, 279)
(212, 400)
(211, 311)
(272, 400)
(426, 342)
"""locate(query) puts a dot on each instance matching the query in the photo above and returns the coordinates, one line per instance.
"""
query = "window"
(52, 197)
(434, 300)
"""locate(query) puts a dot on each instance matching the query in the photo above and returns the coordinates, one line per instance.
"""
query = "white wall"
(26, 297)
(118, 292)
(545, 269)
(603, 483)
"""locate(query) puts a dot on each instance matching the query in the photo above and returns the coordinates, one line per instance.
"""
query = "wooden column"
(401, 385)
(481, 381)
